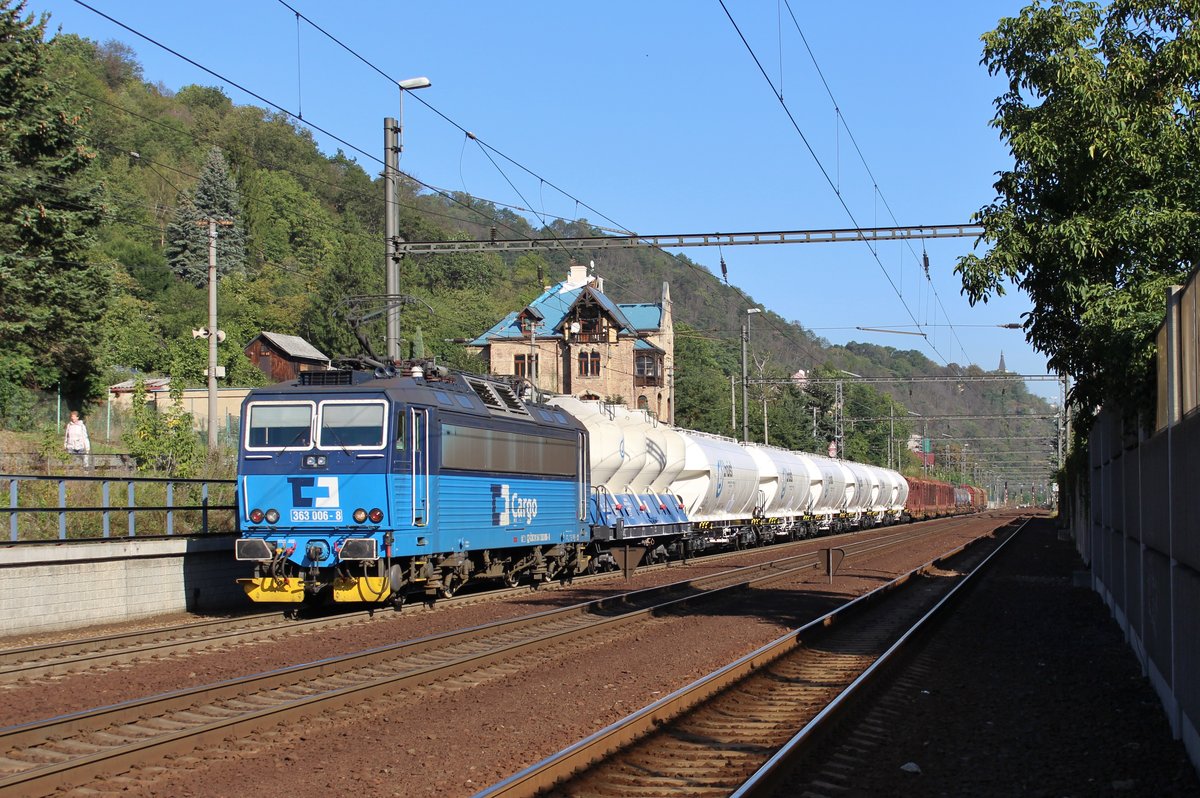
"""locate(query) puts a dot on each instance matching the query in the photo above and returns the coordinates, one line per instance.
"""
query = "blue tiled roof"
(552, 307)
(613, 309)
(496, 331)
(644, 316)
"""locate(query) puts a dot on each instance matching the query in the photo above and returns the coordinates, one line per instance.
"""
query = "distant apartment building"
(574, 340)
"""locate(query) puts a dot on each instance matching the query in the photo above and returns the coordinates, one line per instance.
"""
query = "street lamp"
(745, 375)
(412, 84)
(392, 145)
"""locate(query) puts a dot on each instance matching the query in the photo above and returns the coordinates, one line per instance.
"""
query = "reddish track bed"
(1028, 690)
(453, 742)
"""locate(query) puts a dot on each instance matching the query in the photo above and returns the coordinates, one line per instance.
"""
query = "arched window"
(643, 403)
(589, 364)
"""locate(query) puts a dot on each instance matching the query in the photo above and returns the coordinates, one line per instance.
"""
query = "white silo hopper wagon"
(718, 486)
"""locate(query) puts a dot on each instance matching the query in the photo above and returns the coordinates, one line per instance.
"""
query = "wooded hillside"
(129, 171)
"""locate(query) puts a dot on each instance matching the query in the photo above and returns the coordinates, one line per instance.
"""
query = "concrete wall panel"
(1129, 483)
(1154, 493)
(73, 585)
(1131, 576)
(1157, 592)
(1185, 541)
(1187, 640)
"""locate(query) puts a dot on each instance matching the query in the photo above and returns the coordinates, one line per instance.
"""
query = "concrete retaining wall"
(45, 587)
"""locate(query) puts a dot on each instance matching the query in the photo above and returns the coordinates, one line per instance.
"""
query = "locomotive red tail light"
(360, 516)
(376, 515)
(256, 516)
(272, 516)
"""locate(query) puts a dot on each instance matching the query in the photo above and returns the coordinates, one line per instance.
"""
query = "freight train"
(359, 486)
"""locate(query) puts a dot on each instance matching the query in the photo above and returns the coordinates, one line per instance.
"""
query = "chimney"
(577, 275)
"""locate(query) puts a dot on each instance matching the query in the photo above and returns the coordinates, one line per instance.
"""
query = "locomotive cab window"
(279, 425)
(352, 424)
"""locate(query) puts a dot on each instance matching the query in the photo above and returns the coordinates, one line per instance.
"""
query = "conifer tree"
(215, 197)
(51, 296)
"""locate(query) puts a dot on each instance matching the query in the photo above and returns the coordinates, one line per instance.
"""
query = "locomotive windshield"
(351, 425)
(278, 425)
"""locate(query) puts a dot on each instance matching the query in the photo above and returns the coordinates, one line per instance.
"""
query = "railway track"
(106, 651)
(735, 731)
(76, 749)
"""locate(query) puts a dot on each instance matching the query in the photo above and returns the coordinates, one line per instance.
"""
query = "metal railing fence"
(83, 507)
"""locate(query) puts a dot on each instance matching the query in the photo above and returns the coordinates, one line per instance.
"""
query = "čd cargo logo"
(314, 491)
(509, 507)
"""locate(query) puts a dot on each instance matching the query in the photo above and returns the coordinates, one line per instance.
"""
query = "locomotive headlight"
(360, 516)
(256, 516)
(272, 516)
(310, 461)
(376, 515)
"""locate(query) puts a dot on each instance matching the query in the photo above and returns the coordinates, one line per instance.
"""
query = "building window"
(521, 365)
(643, 403)
(589, 364)
(647, 369)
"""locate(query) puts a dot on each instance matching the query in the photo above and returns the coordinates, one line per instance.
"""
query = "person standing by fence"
(76, 440)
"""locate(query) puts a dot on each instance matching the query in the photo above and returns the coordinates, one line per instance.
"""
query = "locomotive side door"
(418, 449)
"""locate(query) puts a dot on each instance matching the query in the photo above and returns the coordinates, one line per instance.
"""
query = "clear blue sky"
(655, 115)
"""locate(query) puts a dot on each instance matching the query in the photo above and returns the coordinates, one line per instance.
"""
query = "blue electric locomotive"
(372, 487)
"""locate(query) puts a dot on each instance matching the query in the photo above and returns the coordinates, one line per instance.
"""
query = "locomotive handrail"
(46, 504)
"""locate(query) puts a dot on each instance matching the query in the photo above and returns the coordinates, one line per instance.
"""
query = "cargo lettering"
(509, 507)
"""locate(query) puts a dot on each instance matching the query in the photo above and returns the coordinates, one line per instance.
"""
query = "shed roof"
(294, 346)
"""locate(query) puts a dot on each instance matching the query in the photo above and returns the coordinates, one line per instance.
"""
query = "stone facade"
(585, 345)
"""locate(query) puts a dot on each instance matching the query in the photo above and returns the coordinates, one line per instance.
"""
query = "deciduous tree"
(1100, 210)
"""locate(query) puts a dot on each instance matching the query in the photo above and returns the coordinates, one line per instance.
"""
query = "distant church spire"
(1002, 369)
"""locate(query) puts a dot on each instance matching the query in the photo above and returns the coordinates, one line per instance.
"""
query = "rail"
(69, 507)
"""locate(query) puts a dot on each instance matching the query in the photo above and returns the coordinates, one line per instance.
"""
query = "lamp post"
(745, 375)
(393, 144)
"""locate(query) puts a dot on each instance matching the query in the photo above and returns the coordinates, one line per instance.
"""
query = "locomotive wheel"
(450, 585)
(512, 578)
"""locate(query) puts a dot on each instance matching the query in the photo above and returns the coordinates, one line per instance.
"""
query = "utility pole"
(892, 432)
(746, 376)
(839, 430)
(391, 233)
(732, 406)
(212, 335)
(745, 384)
(762, 365)
(211, 332)
(393, 144)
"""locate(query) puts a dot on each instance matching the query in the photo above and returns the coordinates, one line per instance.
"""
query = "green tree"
(215, 197)
(1101, 208)
(51, 293)
(163, 440)
(701, 385)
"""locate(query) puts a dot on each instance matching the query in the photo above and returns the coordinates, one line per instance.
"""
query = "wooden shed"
(283, 357)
